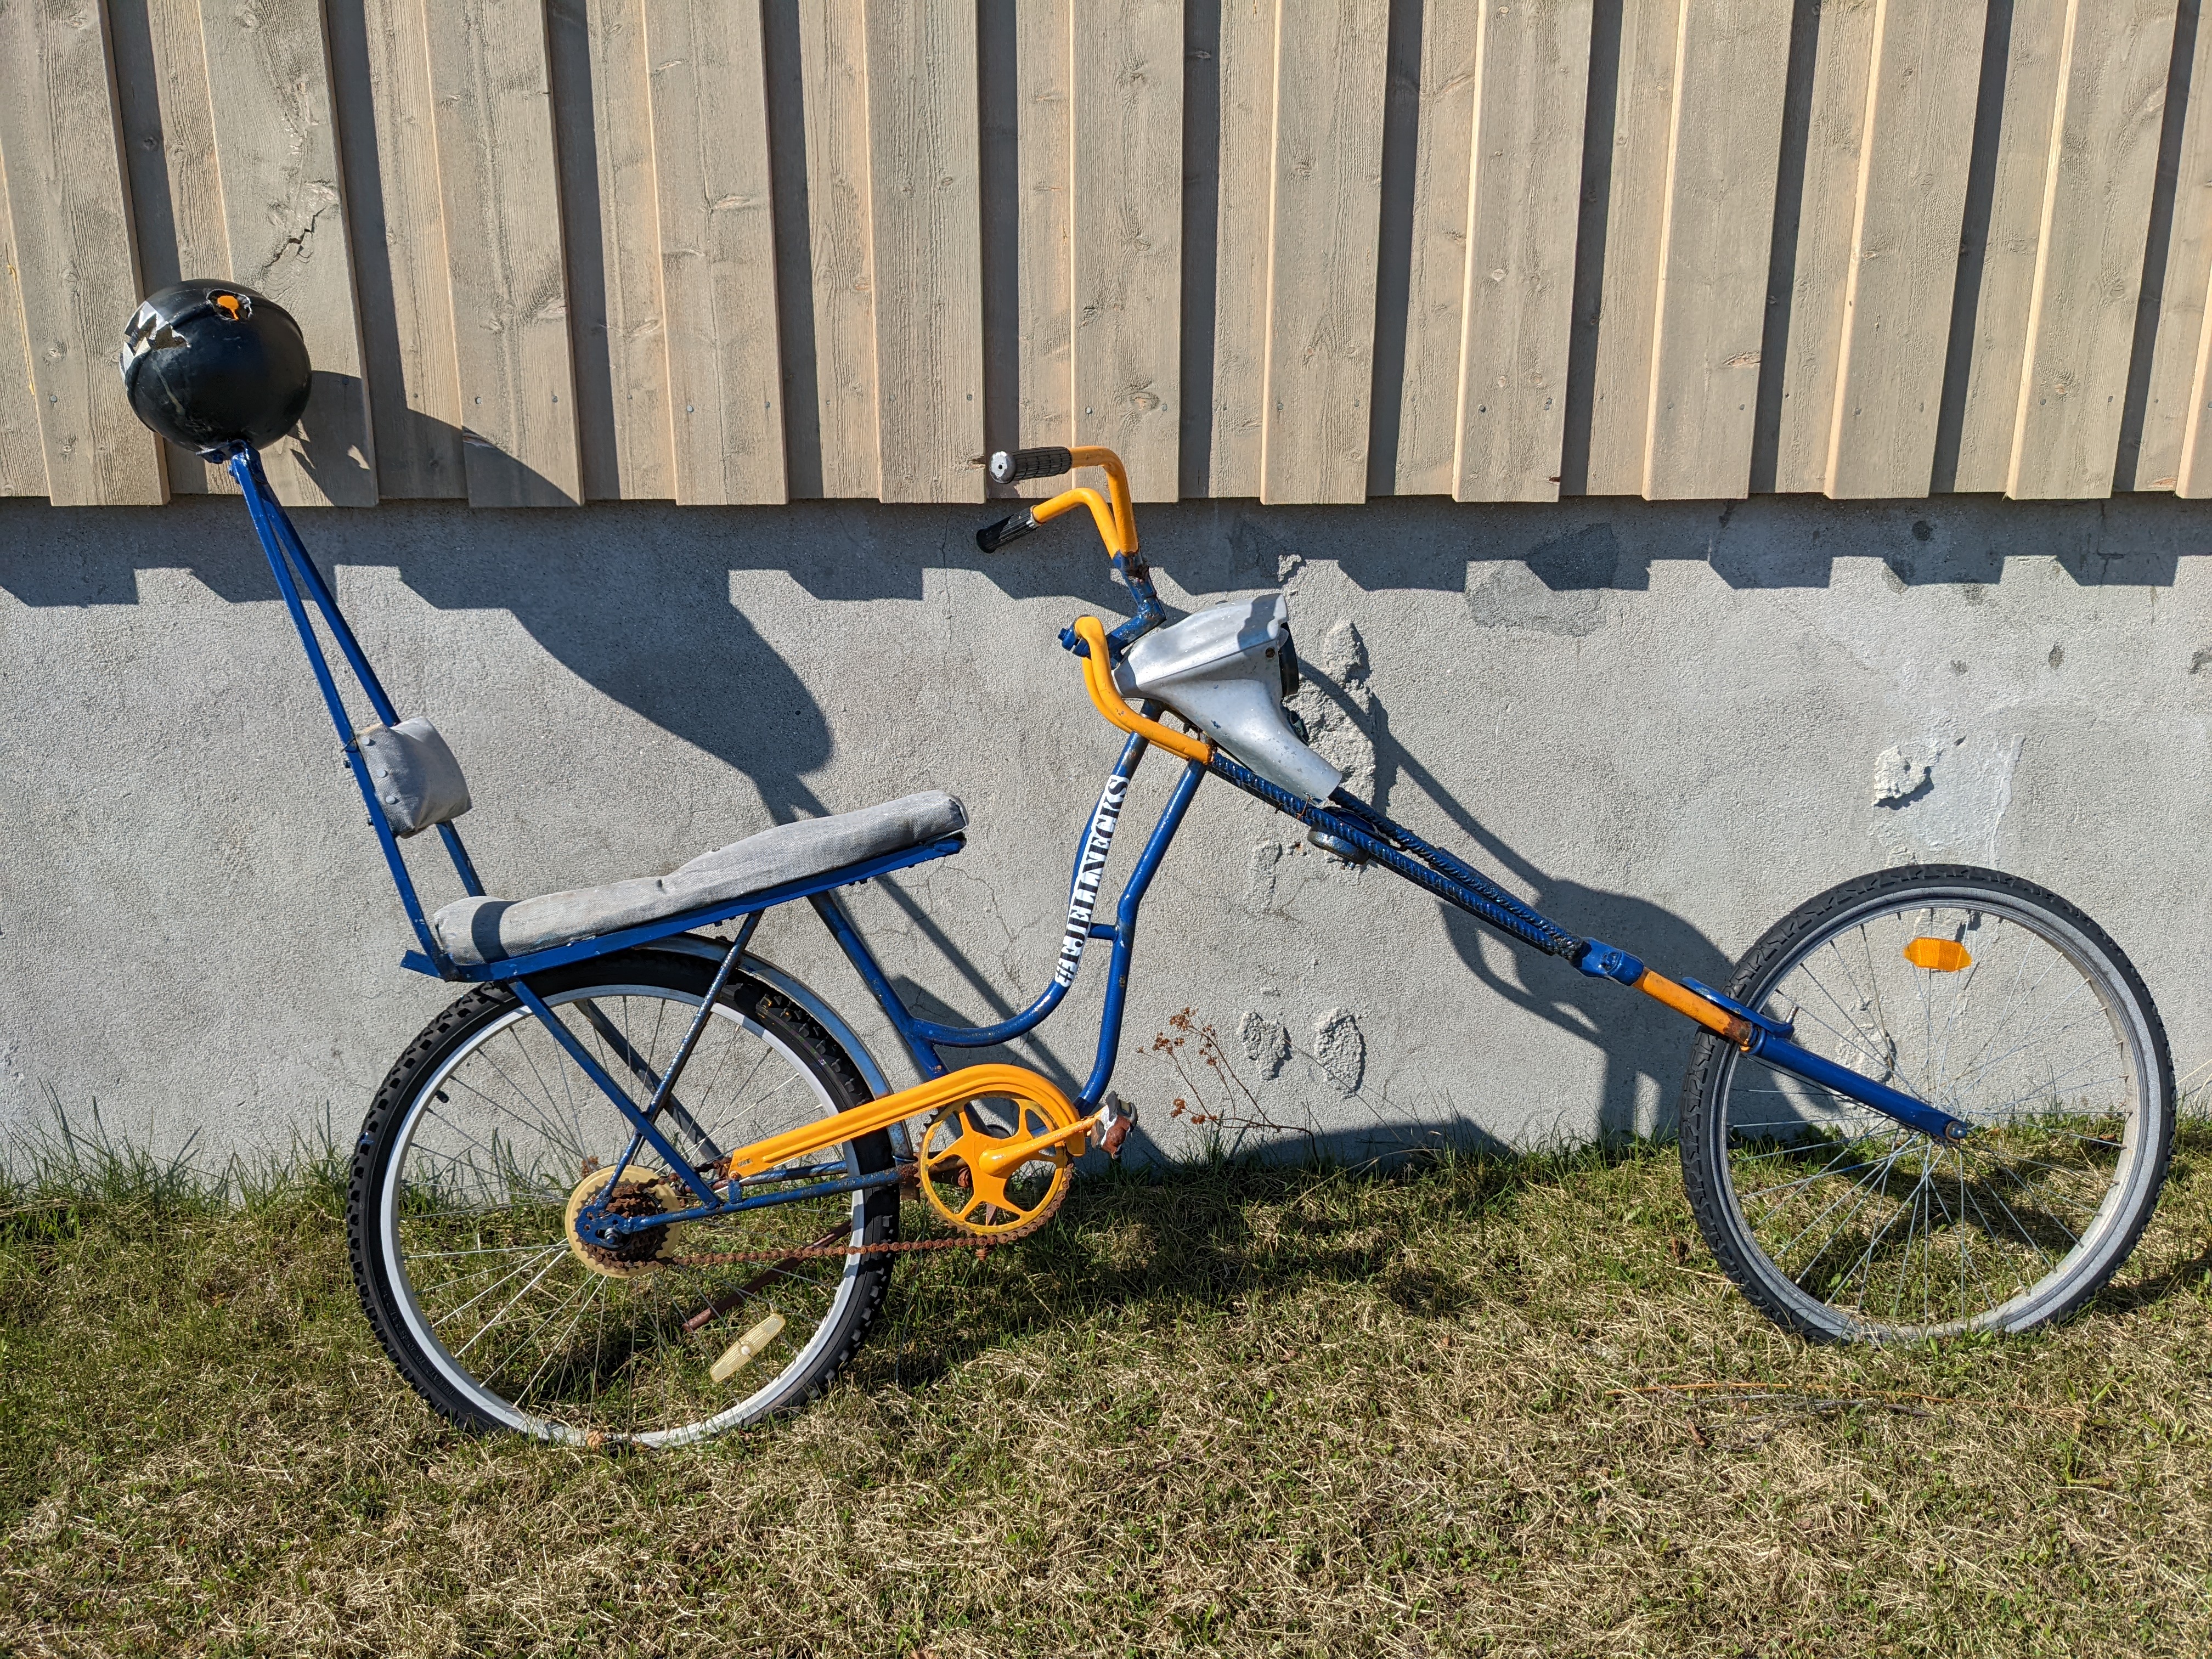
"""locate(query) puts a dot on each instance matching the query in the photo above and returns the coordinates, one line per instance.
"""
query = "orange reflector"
(1938, 955)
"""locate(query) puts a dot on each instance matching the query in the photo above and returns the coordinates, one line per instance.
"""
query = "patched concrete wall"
(1665, 723)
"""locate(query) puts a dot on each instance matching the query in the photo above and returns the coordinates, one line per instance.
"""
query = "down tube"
(1125, 931)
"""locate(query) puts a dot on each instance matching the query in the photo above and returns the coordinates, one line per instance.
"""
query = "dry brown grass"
(1471, 1407)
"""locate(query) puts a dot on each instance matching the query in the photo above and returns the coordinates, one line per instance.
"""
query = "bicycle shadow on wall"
(656, 630)
(1642, 1048)
(642, 611)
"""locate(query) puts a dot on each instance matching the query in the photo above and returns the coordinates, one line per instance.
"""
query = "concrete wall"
(1663, 723)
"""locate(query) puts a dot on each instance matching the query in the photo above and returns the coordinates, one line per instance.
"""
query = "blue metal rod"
(1786, 1056)
(878, 983)
(1446, 864)
(1125, 931)
(1449, 879)
(259, 504)
(645, 1128)
(1490, 903)
(246, 466)
(734, 1205)
(986, 1037)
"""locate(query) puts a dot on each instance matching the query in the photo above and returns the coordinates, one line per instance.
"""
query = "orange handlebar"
(1098, 679)
(1109, 530)
(1117, 483)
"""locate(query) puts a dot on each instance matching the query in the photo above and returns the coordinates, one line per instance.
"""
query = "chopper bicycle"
(638, 1184)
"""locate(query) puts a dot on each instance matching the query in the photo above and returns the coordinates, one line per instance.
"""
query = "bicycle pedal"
(743, 1351)
(1121, 1118)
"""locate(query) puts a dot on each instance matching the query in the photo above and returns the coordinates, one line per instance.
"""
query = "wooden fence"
(731, 251)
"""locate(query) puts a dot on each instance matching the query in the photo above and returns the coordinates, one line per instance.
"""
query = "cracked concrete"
(1657, 721)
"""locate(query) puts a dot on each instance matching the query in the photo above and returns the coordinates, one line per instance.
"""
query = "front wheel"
(487, 1138)
(1985, 995)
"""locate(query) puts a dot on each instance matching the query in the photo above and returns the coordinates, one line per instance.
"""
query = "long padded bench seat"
(474, 931)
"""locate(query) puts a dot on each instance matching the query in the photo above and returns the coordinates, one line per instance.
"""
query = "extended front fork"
(1352, 824)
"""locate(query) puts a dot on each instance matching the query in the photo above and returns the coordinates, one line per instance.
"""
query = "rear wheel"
(486, 1137)
(1998, 1002)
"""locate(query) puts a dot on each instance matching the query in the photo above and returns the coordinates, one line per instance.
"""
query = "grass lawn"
(1470, 1407)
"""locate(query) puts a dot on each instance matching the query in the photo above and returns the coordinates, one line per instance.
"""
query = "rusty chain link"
(978, 1241)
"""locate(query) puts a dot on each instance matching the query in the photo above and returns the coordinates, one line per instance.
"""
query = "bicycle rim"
(471, 1225)
(2029, 1028)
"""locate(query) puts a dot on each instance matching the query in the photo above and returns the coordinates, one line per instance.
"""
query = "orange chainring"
(979, 1179)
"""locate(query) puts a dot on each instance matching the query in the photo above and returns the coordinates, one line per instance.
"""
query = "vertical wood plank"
(1436, 280)
(23, 454)
(2174, 349)
(1326, 203)
(833, 67)
(275, 140)
(380, 69)
(602, 116)
(76, 263)
(1126, 235)
(1843, 58)
(491, 88)
(1045, 160)
(1620, 377)
(1731, 63)
(1523, 216)
(924, 172)
(2193, 479)
(1905, 246)
(2096, 209)
(168, 151)
(1240, 244)
(709, 95)
(1991, 407)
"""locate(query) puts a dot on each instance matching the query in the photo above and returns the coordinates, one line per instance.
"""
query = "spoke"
(487, 1249)
(1866, 1257)
(1855, 1041)
(553, 1130)
(585, 1296)
(520, 1268)
(492, 1323)
(514, 1030)
(1841, 1198)
(2026, 1238)
(1998, 1027)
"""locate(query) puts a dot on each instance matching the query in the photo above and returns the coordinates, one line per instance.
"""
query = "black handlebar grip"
(1014, 466)
(993, 537)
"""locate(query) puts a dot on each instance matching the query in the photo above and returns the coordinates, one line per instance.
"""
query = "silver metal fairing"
(1221, 669)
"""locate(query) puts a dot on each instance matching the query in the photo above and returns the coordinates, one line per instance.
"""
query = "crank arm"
(1004, 1160)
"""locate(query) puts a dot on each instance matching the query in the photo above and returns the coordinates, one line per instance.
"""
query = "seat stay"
(662, 1084)
(626, 1051)
(645, 1131)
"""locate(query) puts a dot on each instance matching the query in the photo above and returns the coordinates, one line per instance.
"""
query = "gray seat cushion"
(479, 930)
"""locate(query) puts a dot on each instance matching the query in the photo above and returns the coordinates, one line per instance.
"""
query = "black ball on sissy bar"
(209, 363)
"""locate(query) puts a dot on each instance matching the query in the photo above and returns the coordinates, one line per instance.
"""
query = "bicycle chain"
(976, 1241)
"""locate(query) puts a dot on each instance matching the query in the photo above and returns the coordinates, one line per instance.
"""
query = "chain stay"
(893, 1247)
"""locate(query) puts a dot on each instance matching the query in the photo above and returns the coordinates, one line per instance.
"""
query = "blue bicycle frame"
(1350, 822)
